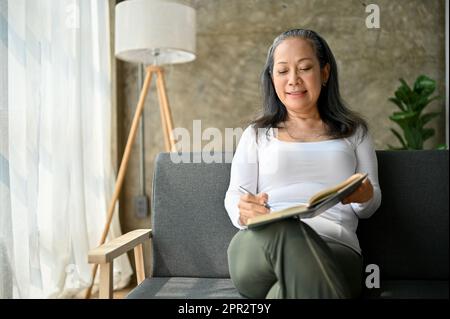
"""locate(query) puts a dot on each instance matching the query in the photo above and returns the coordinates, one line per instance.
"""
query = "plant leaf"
(397, 102)
(427, 133)
(408, 93)
(424, 101)
(405, 86)
(397, 134)
(419, 103)
(424, 119)
(402, 116)
(413, 138)
(403, 93)
(434, 98)
(424, 85)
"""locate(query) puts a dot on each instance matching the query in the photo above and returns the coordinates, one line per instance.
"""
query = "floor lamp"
(154, 33)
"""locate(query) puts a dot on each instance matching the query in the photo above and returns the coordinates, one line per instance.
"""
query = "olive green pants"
(288, 259)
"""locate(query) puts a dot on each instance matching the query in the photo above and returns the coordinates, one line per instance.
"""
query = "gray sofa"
(407, 237)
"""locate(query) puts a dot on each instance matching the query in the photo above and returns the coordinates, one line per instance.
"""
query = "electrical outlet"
(141, 206)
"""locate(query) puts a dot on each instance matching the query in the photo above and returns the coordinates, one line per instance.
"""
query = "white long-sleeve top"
(291, 172)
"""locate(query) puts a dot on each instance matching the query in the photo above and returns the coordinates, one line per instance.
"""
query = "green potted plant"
(410, 118)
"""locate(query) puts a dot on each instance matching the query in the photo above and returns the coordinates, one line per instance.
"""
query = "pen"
(246, 191)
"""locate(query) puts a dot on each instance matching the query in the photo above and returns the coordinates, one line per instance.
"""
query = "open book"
(316, 205)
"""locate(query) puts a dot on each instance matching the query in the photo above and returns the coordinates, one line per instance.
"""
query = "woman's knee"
(238, 250)
(285, 226)
(248, 266)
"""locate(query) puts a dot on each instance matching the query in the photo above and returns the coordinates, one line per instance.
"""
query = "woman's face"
(297, 76)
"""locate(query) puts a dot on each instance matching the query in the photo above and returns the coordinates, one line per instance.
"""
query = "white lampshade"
(149, 28)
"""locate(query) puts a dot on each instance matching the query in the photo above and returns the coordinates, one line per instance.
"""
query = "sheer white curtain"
(59, 175)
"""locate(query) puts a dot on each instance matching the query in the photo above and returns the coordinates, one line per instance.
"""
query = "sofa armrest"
(105, 254)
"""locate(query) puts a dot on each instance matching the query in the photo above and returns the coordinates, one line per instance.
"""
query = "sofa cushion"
(409, 289)
(191, 228)
(408, 236)
(184, 288)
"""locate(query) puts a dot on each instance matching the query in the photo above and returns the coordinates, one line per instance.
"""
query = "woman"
(306, 140)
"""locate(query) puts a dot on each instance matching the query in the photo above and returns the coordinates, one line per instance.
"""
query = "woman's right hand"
(252, 206)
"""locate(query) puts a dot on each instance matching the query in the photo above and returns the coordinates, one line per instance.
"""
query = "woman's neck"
(310, 121)
(303, 127)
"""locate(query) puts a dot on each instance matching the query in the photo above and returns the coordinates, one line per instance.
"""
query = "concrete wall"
(221, 87)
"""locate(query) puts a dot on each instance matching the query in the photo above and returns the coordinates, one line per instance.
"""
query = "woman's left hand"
(362, 194)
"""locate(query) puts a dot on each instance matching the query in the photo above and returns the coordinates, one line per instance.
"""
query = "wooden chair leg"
(139, 260)
(106, 281)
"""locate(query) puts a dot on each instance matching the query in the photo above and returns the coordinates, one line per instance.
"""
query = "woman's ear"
(325, 73)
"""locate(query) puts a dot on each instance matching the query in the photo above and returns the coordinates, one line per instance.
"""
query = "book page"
(326, 193)
(294, 210)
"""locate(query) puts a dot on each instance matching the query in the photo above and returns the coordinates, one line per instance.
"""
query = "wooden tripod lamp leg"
(122, 170)
(165, 109)
(164, 125)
